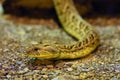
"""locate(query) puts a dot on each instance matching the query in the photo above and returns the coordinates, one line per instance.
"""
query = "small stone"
(8, 76)
(118, 75)
(36, 71)
(82, 75)
(59, 78)
(50, 66)
(6, 50)
(29, 73)
(56, 78)
(34, 42)
(69, 69)
(44, 70)
(23, 71)
(45, 76)
(39, 67)
(21, 32)
(75, 73)
(6, 66)
(59, 64)
(26, 69)
(19, 62)
(2, 73)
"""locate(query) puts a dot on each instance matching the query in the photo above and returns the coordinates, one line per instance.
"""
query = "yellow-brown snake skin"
(73, 23)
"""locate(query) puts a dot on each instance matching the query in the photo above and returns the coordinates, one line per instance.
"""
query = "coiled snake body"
(73, 23)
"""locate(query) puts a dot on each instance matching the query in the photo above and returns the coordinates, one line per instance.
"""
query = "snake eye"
(36, 49)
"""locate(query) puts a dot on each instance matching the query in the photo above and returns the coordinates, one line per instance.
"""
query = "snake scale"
(73, 23)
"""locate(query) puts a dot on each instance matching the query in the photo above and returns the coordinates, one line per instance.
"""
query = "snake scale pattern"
(73, 23)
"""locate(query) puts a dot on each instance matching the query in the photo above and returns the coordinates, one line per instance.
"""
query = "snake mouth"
(43, 56)
(39, 56)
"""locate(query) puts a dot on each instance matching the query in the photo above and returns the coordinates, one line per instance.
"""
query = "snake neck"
(71, 20)
(73, 23)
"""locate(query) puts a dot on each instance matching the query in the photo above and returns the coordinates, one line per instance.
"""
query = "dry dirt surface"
(102, 64)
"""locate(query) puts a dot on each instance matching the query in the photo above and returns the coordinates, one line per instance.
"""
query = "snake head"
(42, 52)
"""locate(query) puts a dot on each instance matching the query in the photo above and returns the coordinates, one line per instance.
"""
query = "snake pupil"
(36, 49)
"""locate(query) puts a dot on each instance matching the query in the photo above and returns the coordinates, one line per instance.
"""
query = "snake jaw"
(46, 52)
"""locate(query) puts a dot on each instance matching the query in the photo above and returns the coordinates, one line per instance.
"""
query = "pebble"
(8, 76)
(59, 78)
(50, 66)
(58, 65)
(45, 76)
(26, 69)
(30, 73)
(23, 71)
(83, 75)
(2, 73)
(69, 69)
(5, 66)
(75, 73)
(44, 70)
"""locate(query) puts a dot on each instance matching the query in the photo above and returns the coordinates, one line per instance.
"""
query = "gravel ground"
(102, 64)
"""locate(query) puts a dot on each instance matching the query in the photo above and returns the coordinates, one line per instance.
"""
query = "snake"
(71, 21)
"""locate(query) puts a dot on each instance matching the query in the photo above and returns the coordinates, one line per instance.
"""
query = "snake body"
(73, 23)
